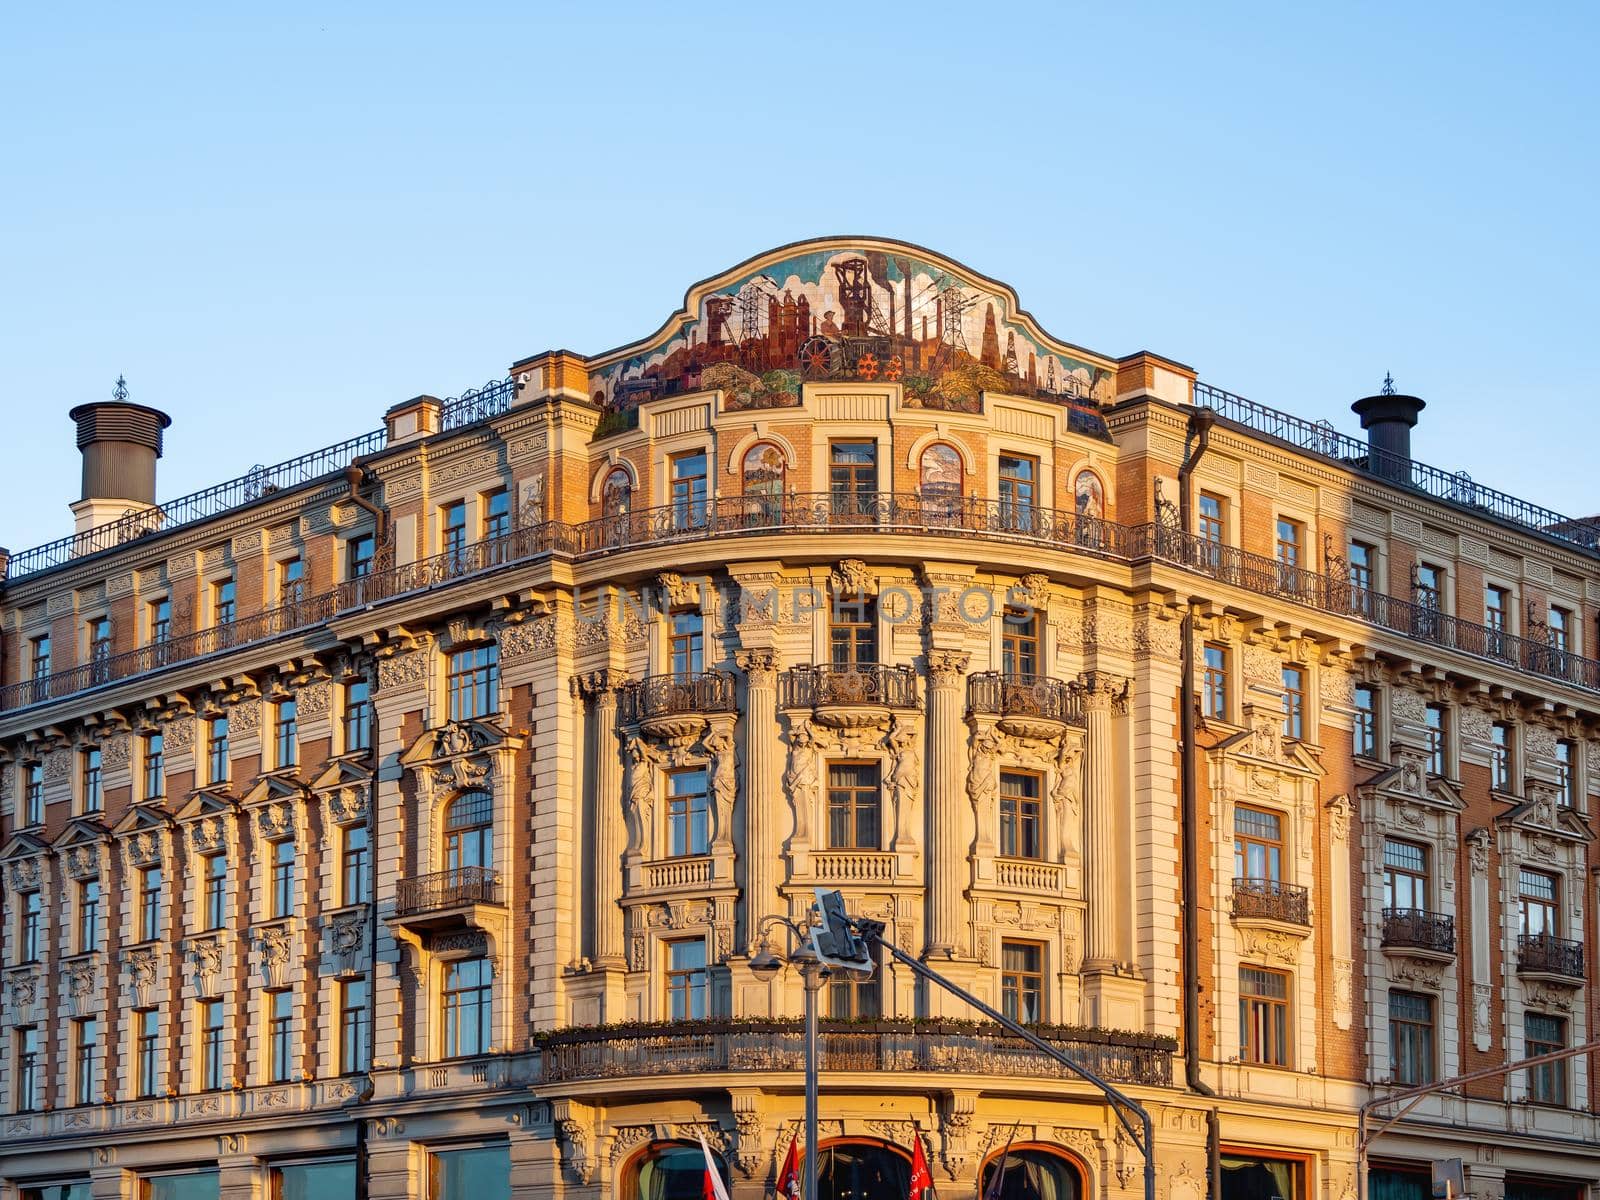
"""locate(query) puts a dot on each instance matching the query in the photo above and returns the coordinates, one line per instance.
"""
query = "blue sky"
(277, 221)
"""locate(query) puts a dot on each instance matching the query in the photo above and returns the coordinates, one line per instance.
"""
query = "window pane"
(483, 1173)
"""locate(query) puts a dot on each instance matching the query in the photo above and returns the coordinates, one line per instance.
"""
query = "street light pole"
(812, 972)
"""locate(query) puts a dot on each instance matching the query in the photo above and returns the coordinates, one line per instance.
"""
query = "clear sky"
(277, 221)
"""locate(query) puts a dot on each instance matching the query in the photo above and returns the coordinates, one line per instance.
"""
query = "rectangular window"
(1429, 592)
(482, 1173)
(286, 734)
(1022, 981)
(1538, 908)
(1214, 685)
(686, 644)
(211, 1044)
(852, 478)
(1365, 743)
(189, 1185)
(160, 621)
(686, 980)
(853, 806)
(688, 813)
(146, 1060)
(1294, 703)
(326, 1178)
(355, 865)
(1405, 876)
(33, 813)
(93, 795)
(468, 1005)
(39, 658)
(217, 750)
(1209, 525)
(216, 891)
(474, 682)
(1363, 566)
(358, 552)
(1411, 1053)
(1020, 815)
(1257, 844)
(1291, 537)
(88, 915)
(1545, 1035)
(282, 879)
(149, 903)
(224, 607)
(1566, 771)
(357, 716)
(688, 489)
(1501, 767)
(86, 1061)
(30, 912)
(1263, 1017)
(453, 528)
(355, 1039)
(291, 582)
(497, 514)
(855, 997)
(853, 631)
(1018, 479)
(1560, 626)
(280, 1035)
(1438, 726)
(1019, 643)
(99, 638)
(152, 753)
(1496, 602)
(30, 1078)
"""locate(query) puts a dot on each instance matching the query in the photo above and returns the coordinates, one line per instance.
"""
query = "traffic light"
(832, 939)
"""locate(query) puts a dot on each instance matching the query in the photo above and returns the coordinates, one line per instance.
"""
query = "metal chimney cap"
(119, 421)
(1388, 407)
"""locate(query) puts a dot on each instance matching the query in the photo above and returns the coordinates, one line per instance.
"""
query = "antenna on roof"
(1388, 384)
(120, 392)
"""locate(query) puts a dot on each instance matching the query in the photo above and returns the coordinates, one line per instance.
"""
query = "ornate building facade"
(403, 820)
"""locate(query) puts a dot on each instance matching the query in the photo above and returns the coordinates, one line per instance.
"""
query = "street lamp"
(765, 964)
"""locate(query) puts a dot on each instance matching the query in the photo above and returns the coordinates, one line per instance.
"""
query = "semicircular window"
(1029, 1173)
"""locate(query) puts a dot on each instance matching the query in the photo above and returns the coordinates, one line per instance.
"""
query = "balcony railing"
(853, 866)
(808, 516)
(455, 888)
(676, 695)
(1028, 875)
(780, 1046)
(1008, 695)
(477, 404)
(1271, 900)
(1418, 929)
(678, 872)
(872, 684)
(1546, 954)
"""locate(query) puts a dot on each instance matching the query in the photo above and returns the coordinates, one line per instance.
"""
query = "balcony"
(1272, 902)
(1030, 875)
(853, 866)
(671, 706)
(446, 899)
(1027, 705)
(1545, 956)
(717, 1047)
(1419, 933)
(849, 694)
(669, 873)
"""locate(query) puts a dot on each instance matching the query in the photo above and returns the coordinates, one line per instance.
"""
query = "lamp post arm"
(1123, 1107)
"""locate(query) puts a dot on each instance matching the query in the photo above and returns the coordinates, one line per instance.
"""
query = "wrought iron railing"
(198, 506)
(446, 889)
(477, 404)
(1011, 695)
(1271, 900)
(1544, 953)
(780, 1046)
(1418, 929)
(875, 684)
(671, 695)
(1454, 487)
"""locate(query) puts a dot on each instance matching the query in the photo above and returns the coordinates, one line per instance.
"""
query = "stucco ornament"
(643, 759)
(800, 779)
(724, 781)
(905, 779)
(852, 577)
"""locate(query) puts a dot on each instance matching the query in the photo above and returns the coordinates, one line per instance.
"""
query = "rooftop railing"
(872, 513)
(477, 404)
(1453, 487)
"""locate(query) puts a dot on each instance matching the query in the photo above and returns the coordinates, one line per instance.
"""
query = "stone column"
(1100, 882)
(605, 914)
(947, 822)
(762, 833)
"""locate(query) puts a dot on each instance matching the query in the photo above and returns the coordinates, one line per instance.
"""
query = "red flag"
(789, 1173)
(921, 1180)
(712, 1188)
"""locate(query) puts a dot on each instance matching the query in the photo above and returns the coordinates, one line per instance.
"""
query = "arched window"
(616, 493)
(939, 481)
(763, 482)
(1088, 496)
(669, 1171)
(862, 1170)
(1030, 1173)
(469, 832)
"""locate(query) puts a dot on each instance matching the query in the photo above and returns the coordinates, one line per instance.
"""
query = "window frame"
(214, 891)
(1023, 984)
(1296, 684)
(688, 823)
(473, 673)
(1531, 902)
(355, 864)
(1503, 757)
(150, 879)
(1418, 880)
(212, 1021)
(279, 1013)
(855, 810)
(356, 715)
(355, 1027)
(1274, 852)
(282, 872)
(689, 494)
(1548, 1084)
(1278, 1012)
(688, 986)
(458, 1000)
(1364, 728)
(87, 912)
(1021, 644)
(286, 734)
(91, 780)
(86, 1058)
(153, 767)
(1438, 735)
(1214, 688)
(146, 1052)
(853, 631)
(1023, 835)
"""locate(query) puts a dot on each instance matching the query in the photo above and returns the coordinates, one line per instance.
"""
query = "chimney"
(1388, 418)
(120, 443)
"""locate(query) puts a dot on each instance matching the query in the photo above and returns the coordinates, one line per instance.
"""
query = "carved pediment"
(142, 818)
(1261, 746)
(23, 845)
(1541, 815)
(206, 803)
(1407, 781)
(275, 789)
(458, 739)
(342, 773)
